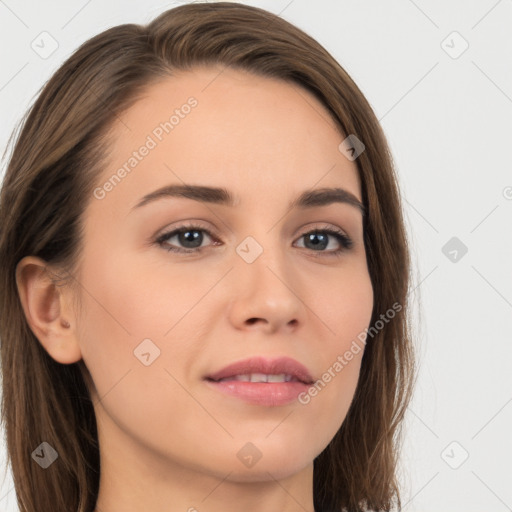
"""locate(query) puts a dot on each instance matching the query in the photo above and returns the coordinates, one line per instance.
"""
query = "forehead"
(223, 127)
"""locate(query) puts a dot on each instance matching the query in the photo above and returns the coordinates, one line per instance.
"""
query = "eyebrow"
(222, 196)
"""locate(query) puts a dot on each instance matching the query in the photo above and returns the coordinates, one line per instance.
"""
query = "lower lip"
(261, 393)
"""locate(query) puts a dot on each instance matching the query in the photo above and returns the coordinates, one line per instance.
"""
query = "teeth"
(261, 377)
(276, 378)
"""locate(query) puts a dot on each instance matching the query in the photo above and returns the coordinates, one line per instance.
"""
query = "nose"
(264, 296)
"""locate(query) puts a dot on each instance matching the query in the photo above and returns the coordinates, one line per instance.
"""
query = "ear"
(48, 310)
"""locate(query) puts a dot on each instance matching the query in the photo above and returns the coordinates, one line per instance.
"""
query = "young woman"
(204, 277)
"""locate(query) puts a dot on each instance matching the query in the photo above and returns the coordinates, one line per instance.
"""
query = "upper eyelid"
(172, 232)
(212, 232)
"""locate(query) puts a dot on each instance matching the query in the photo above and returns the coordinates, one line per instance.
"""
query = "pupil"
(191, 237)
(314, 239)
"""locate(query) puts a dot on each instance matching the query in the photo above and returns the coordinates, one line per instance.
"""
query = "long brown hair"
(55, 162)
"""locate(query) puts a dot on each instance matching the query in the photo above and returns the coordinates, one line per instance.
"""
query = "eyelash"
(345, 241)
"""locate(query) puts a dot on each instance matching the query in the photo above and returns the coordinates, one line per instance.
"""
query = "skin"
(167, 441)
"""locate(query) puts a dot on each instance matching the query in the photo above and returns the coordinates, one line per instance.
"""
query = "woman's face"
(161, 314)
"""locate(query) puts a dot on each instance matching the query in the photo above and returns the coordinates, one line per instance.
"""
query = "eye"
(319, 239)
(190, 237)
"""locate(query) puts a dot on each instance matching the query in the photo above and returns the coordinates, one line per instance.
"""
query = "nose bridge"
(263, 255)
(265, 280)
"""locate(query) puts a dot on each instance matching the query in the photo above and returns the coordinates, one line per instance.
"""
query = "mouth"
(261, 381)
(259, 377)
(261, 369)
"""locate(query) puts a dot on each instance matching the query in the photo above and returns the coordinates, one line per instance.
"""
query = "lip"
(258, 364)
(263, 393)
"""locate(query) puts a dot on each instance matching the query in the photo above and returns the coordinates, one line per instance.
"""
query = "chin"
(267, 471)
(266, 459)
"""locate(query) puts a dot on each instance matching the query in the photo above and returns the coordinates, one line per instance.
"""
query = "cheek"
(127, 299)
(116, 302)
(133, 297)
(346, 308)
(343, 303)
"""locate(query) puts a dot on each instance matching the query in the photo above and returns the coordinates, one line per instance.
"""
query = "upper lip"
(258, 364)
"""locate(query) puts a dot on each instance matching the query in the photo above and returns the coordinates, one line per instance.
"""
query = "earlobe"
(47, 310)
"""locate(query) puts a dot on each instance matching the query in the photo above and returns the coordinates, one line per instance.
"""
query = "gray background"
(447, 114)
